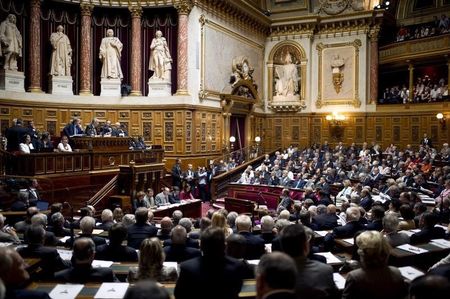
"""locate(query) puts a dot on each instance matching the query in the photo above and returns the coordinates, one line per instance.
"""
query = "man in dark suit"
(141, 229)
(254, 245)
(178, 251)
(91, 129)
(14, 135)
(326, 219)
(14, 275)
(426, 141)
(428, 230)
(315, 279)
(49, 256)
(276, 277)
(177, 174)
(33, 193)
(166, 227)
(220, 276)
(352, 226)
(107, 220)
(87, 225)
(82, 270)
(73, 128)
(267, 229)
(377, 218)
(115, 251)
(21, 226)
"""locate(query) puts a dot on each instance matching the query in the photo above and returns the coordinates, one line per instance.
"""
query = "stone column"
(373, 37)
(184, 8)
(35, 46)
(85, 49)
(136, 51)
(411, 80)
(448, 75)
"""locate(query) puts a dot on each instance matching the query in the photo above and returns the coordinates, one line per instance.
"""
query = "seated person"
(64, 145)
(267, 229)
(186, 194)
(431, 285)
(325, 219)
(174, 196)
(50, 262)
(191, 241)
(87, 225)
(21, 203)
(14, 275)
(375, 279)
(107, 220)
(82, 271)
(147, 289)
(377, 215)
(141, 229)
(73, 128)
(162, 198)
(57, 226)
(236, 247)
(115, 251)
(45, 143)
(166, 227)
(7, 233)
(177, 251)
(407, 214)
(26, 146)
(140, 201)
(428, 231)
(22, 226)
(254, 245)
(41, 219)
(151, 263)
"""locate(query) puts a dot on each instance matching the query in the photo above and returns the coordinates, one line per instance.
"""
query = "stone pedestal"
(157, 88)
(12, 80)
(110, 87)
(61, 85)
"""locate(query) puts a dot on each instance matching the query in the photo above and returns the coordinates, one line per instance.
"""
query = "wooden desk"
(190, 209)
(421, 261)
(101, 143)
(248, 289)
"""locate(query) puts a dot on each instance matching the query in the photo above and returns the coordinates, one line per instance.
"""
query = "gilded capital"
(86, 9)
(136, 11)
(373, 33)
(183, 7)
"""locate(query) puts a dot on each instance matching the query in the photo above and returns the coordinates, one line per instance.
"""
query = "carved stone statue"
(110, 53)
(11, 42)
(62, 53)
(160, 59)
(338, 77)
(286, 82)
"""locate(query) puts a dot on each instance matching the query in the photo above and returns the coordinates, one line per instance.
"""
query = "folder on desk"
(112, 290)
(66, 291)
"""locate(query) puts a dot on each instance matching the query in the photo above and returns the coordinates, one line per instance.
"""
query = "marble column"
(136, 51)
(35, 46)
(85, 49)
(373, 37)
(411, 80)
(184, 8)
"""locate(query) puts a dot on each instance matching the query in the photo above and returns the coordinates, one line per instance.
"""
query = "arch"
(283, 44)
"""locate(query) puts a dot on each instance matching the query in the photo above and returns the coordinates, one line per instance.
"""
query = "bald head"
(83, 251)
(331, 209)
(178, 235)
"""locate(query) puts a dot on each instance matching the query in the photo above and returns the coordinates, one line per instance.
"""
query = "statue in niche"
(61, 59)
(287, 78)
(110, 53)
(337, 63)
(160, 59)
(11, 43)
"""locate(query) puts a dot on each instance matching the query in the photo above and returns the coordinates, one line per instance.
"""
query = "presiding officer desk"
(89, 154)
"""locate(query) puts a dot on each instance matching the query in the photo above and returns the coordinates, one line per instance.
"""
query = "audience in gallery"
(228, 240)
(425, 91)
(438, 26)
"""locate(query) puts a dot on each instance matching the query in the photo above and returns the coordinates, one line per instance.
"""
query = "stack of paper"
(412, 249)
(65, 291)
(349, 240)
(410, 273)
(65, 254)
(268, 248)
(101, 264)
(111, 290)
(322, 233)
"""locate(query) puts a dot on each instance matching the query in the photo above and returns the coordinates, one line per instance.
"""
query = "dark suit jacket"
(375, 225)
(18, 206)
(442, 270)
(220, 278)
(50, 259)
(179, 253)
(348, 230)
(86, 274)
(255, 246)
(69, 130)
(324, 222)
(314, 280)
(15, 136)
(105, 225)
(427, 234)
(267, 237)
(137, 233)
(109, 252)
(97, 240)
(282, 295)
(25, 294)
(190, 242)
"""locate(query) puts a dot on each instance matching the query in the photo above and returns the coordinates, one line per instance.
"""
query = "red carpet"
(205, 207)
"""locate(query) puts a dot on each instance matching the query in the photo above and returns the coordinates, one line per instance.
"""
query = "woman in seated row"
(45, 143)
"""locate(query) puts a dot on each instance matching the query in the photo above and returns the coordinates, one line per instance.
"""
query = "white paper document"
(101, 264)
(268, 248)
(442, 243)
(349, 240)
(408, 232)
(331, 258)
(253, 262)
(412, 249)
(112, 290)
(64, 239)
(66, 291)
(321, 233)
(339, 280)
(410, 273)
(172, 265)
(65, 254)
(97, 231)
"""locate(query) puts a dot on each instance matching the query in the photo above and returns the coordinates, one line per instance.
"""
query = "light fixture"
(442, 120)
(257, 139)
(232, 139)
(335, 118)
